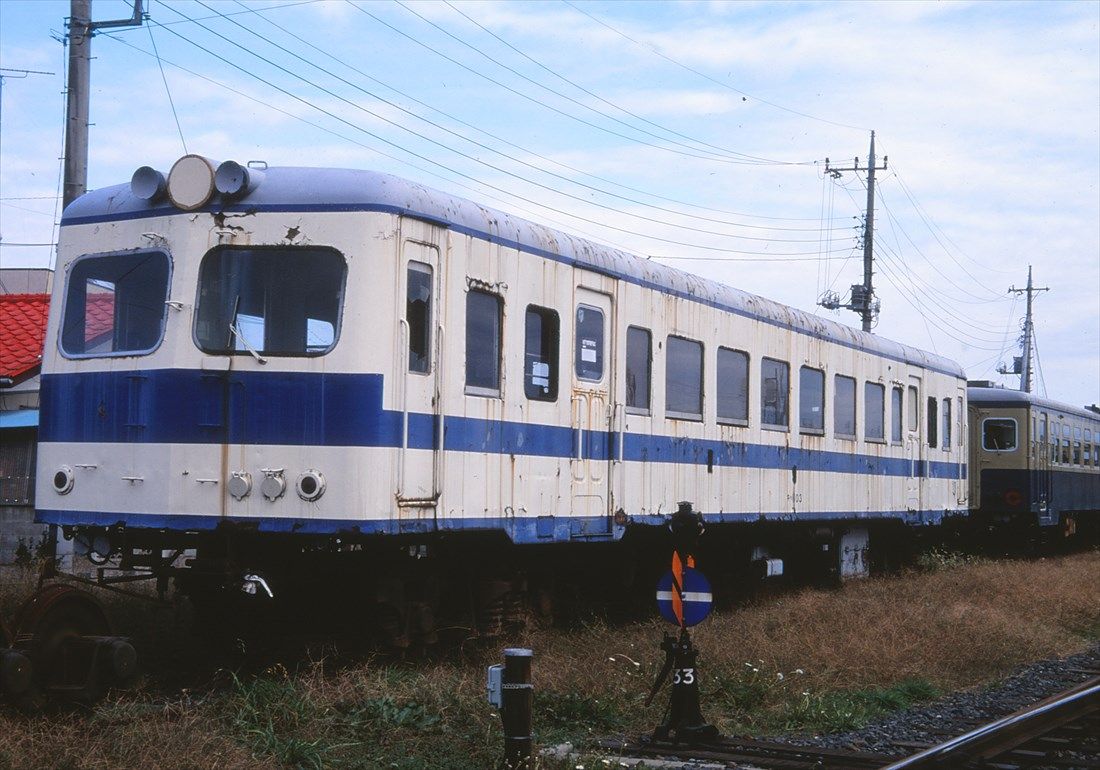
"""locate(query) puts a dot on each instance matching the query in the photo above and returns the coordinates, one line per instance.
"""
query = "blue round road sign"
(695, 597)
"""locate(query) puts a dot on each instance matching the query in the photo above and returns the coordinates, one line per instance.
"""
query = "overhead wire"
(539, 102)
(761, 257)
(532, 153)
(559, 76)
(974, 299)
(520, 161)
(479, 161)
(681, 65)
(167, 90)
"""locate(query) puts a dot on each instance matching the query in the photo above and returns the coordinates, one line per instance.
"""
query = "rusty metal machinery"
(61, 647)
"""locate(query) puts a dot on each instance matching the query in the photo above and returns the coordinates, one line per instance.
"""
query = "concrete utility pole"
(863, 294)
(81, 29)
(1022, 365)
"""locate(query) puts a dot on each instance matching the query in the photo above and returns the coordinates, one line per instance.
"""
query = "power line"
(768, 161)
(541, 157)
(467, 156)
(424, 158)
(512, 158)
(703, 75)
(543, 104)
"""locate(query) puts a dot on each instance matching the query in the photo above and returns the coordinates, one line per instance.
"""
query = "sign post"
(684, 598)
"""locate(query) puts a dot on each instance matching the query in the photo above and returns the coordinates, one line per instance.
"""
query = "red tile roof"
(22, 330)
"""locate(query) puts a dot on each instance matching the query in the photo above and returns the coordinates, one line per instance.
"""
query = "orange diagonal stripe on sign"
(677, 588)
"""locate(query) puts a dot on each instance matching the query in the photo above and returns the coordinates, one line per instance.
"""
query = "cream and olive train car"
(1035, 463)
(289, 366)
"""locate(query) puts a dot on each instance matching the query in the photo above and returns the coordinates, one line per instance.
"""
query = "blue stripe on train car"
(522, 530)
(325, 409)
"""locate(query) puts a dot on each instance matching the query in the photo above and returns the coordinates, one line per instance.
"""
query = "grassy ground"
(807, 661)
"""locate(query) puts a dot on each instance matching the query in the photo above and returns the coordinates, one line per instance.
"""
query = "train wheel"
(50, 628)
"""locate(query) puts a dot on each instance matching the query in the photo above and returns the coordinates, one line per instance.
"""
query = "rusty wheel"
(49, 629)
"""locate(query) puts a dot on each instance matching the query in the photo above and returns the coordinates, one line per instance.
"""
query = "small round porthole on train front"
(311, 485)
(63, 480)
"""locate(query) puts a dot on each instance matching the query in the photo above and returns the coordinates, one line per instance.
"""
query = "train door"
(419, 371)
(1040, 465)
(961, 486)
(914, 447)
(591, 410)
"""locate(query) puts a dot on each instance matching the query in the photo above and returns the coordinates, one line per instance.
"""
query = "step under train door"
(418, 370)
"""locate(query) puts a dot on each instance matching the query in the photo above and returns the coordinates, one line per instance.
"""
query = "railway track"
(1062, 731)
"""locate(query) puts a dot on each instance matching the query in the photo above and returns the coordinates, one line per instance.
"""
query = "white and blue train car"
(257, 361)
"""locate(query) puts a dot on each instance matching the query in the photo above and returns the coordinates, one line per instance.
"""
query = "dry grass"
(810, 660)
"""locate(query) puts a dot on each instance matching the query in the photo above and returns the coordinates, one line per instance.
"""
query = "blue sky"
(693, 132)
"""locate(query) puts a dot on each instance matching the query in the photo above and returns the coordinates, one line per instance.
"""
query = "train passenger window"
(418, 315)
(114, 304)
(897, 416)
(914, 409)
(589, 350)
(280, 301)
(483, 338)
(1065, 451)
(540, 354)
(844, 406)
(932, 422)
(811, 400)
(775, 389)
(1076, 452)
(945, 419)
(639, 368)
(733, 386)
(874, 406)
(684, 378)
(999, 434)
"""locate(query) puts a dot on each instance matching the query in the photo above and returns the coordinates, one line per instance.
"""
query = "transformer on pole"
(863, 299)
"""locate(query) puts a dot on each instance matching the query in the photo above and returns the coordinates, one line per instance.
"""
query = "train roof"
(324, 189)
(995, 396)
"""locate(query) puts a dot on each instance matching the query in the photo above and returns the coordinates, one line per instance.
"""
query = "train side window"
(1088, 448)
(589, 349)
(483, 343)
(540, 354)
(945, 419)
(932, 422)
(914, 409)
(683, 379)
(844, 406)
(114, 304)
(733, 386)
(418, 315)
(1066, 433)
(639, 368)
(874, 405)
(999, 434)
(811, 400)
(897, 413)
(775, 389)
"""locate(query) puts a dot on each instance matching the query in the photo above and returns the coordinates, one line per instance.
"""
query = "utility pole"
(1022, 364)
(863, 294)
(81, 29)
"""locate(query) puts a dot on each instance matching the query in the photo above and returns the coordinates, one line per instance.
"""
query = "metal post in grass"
(510, 690)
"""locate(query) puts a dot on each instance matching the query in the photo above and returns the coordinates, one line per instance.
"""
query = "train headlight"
(234, 180)
(63, 480)
(191, 182)
(311, 485)
(148, 184)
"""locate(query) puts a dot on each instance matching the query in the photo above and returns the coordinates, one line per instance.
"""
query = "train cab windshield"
(269, 301)
(115, 304)
(999, 434)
